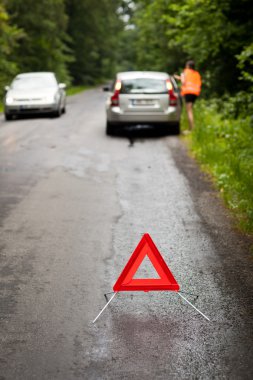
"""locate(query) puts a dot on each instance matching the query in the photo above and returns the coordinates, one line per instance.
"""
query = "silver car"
(143, 98)
(32, 93)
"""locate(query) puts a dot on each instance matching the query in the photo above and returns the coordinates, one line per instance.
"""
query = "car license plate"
(142, 102)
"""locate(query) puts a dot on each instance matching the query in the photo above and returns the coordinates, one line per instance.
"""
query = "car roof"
(142, 74)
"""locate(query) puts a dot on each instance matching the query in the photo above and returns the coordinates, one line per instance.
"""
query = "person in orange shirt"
(190, 89)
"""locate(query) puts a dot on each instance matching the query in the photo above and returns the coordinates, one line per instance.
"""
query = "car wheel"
(64, 109)
(57, 113)
(8, 116)
(110, 129)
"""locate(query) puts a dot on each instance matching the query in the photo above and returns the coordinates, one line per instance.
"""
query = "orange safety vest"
(192, 82)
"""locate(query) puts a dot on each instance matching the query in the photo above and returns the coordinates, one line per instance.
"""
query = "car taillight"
(173, 96)
(115, 96)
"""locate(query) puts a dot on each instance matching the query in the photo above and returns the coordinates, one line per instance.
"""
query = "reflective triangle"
(127, 282)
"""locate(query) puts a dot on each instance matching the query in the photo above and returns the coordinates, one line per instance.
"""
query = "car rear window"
(143, 86)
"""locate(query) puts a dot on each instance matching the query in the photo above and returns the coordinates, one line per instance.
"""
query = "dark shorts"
(190, 98)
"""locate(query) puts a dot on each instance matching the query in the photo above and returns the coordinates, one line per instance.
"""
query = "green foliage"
(80, 40)
(93, 27)
(73, 90)
(77, 39)
(154, 49)
(125, 59)
(87, 40)
(43, 46)
(212, 32)
(9, 36)
(246, 63)
(225, 146)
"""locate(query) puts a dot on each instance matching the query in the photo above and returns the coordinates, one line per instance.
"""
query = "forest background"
(86, 41)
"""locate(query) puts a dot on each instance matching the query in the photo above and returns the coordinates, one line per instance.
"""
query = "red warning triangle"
(146, 247)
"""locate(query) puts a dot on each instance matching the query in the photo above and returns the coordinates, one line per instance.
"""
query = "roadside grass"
(72, 90)
(224, 147)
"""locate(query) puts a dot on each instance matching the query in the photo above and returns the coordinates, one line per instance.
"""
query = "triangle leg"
(203, 315)
(104, 307)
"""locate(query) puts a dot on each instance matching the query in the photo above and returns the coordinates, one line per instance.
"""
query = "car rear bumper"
(115, 115)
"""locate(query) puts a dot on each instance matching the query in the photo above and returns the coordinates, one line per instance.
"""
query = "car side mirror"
(62, 86)
(106, 88)
(6, 88)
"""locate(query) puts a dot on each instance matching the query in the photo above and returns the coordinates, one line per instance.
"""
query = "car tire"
(57, 113)
(110, 129)
(8, 117)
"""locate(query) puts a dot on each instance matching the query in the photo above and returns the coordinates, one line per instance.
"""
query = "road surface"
(74, 204)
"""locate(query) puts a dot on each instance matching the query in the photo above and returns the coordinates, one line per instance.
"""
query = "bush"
(223, 142)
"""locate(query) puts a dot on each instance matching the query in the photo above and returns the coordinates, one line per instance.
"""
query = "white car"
(34, 93)
(143, 97)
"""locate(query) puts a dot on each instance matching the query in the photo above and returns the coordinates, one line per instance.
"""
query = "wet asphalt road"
(73, 206)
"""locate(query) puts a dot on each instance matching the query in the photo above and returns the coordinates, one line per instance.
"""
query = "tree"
(154, 49)
(212, 32)
(94, 27)
(43, 46)
(9, 36)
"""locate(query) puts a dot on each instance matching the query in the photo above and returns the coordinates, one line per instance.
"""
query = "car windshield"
(33, 82)
(143, 86)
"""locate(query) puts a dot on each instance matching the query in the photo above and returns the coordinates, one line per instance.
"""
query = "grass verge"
(224, 147)
(72, 90)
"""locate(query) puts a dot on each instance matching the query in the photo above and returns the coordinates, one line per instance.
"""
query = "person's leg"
(189, 110)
